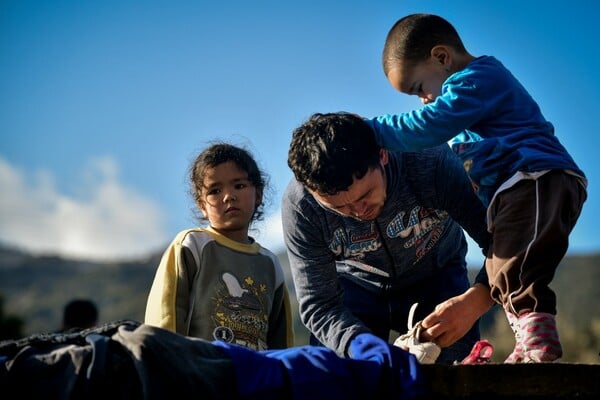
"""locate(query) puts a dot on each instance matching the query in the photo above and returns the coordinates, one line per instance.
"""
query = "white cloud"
(106, 220)
(269, 233)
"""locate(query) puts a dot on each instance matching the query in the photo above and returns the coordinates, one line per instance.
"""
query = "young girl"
(218, 283)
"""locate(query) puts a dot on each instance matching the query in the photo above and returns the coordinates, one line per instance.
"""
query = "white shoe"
(425, 352)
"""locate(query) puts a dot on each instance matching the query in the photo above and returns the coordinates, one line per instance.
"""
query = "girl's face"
(228, 200)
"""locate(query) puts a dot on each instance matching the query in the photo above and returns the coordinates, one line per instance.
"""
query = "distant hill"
(36, 288)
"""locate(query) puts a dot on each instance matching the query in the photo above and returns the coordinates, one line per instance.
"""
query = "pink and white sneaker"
(540, 337)
(517, 354)
(536, 339)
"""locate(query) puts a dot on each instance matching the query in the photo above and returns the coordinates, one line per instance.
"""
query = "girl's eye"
(213, 192)
(240, 185)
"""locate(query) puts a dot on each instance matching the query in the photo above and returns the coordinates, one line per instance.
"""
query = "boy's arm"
(404, 132)
(456, 109)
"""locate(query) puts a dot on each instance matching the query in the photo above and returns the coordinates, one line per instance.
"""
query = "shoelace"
(481, 353)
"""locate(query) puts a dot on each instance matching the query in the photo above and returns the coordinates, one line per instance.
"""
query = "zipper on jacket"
(388, 253)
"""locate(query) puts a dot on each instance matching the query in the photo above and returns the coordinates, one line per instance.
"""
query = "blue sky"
(104, 104)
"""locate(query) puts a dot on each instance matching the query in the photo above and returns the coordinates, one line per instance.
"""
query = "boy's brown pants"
(531, 225)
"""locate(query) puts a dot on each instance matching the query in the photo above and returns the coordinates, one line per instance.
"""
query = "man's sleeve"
(459, 198)
(482, 277)
(314, 272)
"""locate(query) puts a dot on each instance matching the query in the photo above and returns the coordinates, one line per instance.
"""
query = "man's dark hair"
(329, 150)
(412, 37)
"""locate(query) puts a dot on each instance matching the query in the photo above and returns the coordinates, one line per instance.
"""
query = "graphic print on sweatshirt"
(240, 314)
(423, 229)
(420, 229)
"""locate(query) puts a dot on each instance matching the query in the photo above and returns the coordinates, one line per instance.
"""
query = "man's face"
(364, 199)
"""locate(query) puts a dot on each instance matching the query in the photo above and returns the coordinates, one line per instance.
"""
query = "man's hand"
(367, 346)
(453, 318)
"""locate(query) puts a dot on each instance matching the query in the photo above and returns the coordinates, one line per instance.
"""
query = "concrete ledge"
(512, 381)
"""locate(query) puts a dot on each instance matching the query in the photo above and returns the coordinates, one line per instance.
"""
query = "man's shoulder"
(431, 154)
(299, 207)
(420, 170)
(295, 192)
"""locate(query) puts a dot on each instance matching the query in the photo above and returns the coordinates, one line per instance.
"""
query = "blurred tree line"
(34, 290)
(11, 326)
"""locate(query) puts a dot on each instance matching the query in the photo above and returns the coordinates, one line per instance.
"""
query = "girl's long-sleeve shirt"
(493, 124)
(214, 288)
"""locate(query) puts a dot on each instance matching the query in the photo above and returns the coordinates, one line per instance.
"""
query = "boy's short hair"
(412, 37)
(329, 150)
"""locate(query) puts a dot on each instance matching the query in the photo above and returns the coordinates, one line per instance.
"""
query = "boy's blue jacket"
(493, 123)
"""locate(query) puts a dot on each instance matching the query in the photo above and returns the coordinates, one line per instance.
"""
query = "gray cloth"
(119, 360)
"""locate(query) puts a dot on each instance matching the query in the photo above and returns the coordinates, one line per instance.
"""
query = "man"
(369, 233)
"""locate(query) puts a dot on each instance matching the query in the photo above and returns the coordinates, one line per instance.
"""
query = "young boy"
(533, 189)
